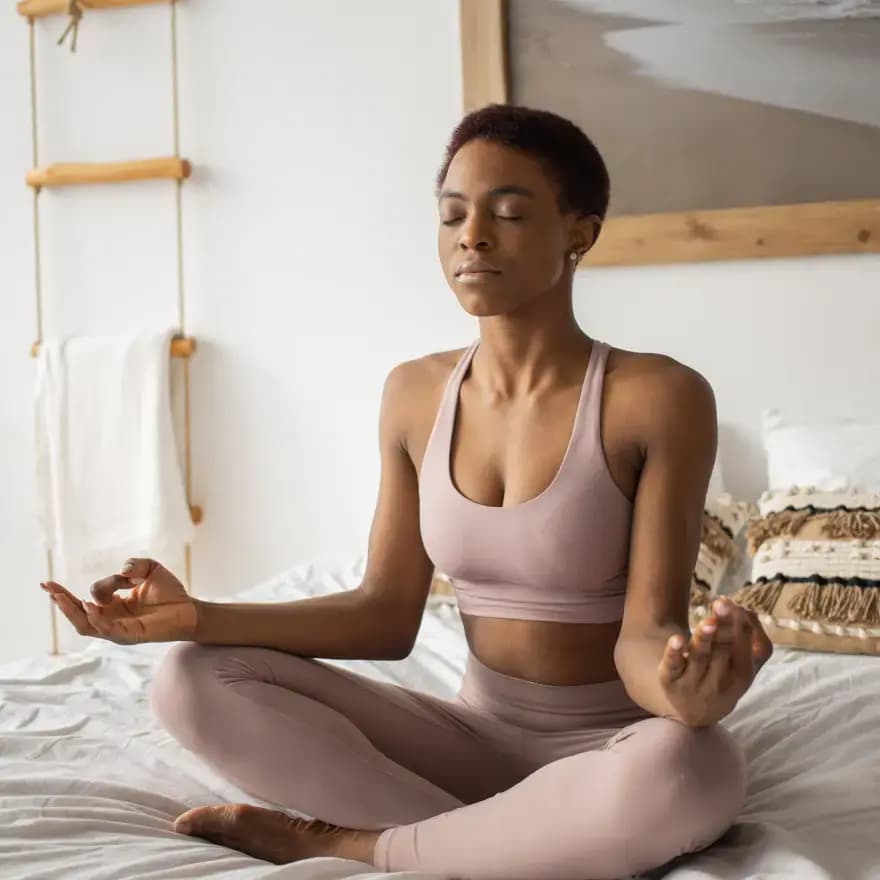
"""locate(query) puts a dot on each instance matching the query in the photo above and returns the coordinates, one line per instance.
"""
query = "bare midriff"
(548, 652)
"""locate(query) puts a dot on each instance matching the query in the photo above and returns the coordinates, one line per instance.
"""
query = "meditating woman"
(559, 481)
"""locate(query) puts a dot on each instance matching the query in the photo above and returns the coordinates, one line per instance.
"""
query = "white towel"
(108, 473)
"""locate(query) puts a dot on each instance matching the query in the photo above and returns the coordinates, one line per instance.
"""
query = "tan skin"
(514, 420)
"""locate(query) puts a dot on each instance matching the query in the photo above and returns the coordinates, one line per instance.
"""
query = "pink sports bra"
(562, 555)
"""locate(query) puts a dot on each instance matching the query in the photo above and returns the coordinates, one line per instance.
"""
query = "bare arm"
(699, 683)
(378, 619)
(679, 427)
(336, 625)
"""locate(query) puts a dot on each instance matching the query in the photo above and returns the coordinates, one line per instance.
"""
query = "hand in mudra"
(705, 680)
(158, 609)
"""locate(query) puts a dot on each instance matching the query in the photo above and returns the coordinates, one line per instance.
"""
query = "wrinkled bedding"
(90, 784)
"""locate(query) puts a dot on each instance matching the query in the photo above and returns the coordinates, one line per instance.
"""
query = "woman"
(560, 482)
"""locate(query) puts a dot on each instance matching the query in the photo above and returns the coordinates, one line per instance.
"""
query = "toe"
(183, 823)
(203, 821)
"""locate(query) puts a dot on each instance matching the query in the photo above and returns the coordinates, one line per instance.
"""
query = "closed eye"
(500, 217)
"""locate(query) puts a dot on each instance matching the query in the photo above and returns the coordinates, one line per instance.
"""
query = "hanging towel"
(109, 480)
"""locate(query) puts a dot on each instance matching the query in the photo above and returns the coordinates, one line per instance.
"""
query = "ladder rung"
(62, 174)
(39, 8)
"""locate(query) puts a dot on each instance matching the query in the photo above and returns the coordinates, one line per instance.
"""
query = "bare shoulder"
(423, 374)
(652, 389)
(412, 393)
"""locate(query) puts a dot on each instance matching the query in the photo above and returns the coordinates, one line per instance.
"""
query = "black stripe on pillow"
(819, 579)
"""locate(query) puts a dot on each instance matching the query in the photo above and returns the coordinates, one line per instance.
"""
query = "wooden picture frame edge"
(809, 228)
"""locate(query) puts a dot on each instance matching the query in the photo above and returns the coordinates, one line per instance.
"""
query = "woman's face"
(499, 207)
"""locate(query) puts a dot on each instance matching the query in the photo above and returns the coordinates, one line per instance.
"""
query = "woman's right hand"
(158, 609)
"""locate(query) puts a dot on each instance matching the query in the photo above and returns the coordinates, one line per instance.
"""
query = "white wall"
(801, 334)
(315, 132)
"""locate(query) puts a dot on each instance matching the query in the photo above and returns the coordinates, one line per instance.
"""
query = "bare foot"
(274, 836)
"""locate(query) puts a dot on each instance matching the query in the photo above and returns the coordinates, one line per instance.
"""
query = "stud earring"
(574, 255)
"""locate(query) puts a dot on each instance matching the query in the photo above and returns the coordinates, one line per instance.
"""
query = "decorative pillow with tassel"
(720, 552)
(442, 592)
(815, 581)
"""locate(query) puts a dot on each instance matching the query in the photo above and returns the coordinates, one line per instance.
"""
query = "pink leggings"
(510, 779)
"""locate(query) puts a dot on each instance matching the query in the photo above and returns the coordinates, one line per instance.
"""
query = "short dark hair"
(567, 154)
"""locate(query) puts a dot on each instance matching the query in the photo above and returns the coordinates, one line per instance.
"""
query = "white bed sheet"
(90, 784)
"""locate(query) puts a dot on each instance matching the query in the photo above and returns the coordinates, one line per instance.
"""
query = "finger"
(753, 618)
(762, 644)
(726, 615)
(75, 614)
(100, 620)
(55, 589)
(139, 569)
(673, 663)
(700, 651)
(729, 640)
(761, 652)
(742, 659)
(102, 590)
(125, 629)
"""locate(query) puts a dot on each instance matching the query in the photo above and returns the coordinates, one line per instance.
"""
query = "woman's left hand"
(705, 679)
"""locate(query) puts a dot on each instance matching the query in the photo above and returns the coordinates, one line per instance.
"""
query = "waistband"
(539, 706)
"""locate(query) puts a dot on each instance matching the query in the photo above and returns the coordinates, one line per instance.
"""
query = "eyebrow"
(498, 191)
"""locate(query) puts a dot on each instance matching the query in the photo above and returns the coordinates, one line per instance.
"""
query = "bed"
(90, 783)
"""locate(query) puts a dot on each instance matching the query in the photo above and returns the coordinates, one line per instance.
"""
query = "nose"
(473, 234)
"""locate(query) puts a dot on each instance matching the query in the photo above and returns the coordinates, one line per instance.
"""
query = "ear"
(596, 226)
(585, 231)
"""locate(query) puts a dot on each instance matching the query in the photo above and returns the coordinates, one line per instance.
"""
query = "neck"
(514, 359)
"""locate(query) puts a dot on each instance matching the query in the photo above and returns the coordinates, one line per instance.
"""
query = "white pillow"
(830, 454)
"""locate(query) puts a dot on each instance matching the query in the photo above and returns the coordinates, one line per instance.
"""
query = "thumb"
(138, 570)
(134, 571)
(672, 664)
(102, 590)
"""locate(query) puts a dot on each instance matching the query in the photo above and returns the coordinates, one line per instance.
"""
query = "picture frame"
(785, 230)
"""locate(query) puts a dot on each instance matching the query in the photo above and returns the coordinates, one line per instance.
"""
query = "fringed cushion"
(720, 552)
(441, 592)
(815, 581)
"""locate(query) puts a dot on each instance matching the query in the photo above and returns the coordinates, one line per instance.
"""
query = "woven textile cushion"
(724, 521)
(815, 580)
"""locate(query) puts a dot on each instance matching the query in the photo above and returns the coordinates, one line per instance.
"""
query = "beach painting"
(714, 105)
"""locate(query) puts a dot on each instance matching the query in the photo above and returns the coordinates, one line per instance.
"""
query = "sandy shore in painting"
(678, 149)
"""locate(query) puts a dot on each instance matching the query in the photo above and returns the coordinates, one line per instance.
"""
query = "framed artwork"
(732, 129)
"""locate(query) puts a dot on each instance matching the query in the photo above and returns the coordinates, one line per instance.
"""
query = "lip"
(477, 267)
(474, 277)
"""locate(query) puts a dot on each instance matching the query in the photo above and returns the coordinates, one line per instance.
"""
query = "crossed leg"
(445, 783)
